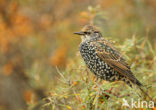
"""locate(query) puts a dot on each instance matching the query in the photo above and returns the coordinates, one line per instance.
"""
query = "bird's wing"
(113, 58)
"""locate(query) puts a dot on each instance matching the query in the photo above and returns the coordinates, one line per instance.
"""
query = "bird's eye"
(96, 32)
(87, 32)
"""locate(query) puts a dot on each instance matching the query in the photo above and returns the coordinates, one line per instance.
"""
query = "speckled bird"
(102, 58)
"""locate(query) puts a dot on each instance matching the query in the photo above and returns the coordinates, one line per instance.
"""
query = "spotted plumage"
(102, 58)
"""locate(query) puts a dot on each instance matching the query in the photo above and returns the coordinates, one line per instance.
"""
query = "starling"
(103, 59)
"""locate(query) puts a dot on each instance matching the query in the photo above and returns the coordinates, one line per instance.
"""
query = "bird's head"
(89, 32)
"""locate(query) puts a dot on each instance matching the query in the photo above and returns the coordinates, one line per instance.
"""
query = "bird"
(103, 59)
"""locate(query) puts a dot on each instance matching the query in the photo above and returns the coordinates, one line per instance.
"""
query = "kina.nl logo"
(137, 103)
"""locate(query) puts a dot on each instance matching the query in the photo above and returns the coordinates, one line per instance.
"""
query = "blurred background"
(36, 36)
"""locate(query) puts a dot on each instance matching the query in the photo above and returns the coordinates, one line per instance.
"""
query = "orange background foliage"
(37, 35)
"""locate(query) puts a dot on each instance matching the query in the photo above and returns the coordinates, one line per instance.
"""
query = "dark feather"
(109, 54)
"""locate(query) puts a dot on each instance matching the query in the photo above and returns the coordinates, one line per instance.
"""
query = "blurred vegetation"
(40, 66)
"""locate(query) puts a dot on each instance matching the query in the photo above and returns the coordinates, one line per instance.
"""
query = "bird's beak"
(79, 33)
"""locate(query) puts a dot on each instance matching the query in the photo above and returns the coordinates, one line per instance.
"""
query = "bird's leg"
(97, 79)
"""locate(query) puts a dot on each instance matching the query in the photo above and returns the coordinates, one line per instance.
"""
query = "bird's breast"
(88, 53)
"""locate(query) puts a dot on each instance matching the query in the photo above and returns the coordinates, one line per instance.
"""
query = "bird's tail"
(142, 88)
(146, 95)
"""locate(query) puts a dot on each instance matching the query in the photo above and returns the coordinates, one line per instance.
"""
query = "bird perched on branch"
(103, 59)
